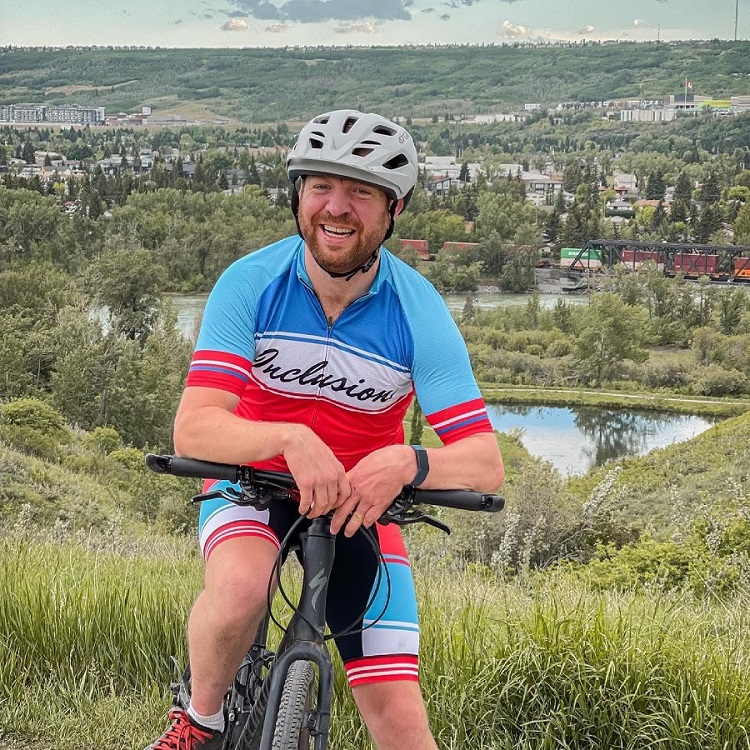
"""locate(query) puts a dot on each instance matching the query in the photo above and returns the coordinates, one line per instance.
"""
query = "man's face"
(342, 221)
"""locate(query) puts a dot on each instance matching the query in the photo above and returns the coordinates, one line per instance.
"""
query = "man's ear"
(399, 207)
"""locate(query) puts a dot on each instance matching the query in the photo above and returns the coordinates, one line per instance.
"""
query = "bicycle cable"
(285, 546)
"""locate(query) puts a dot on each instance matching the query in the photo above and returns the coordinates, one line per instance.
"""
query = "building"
(41, 113)
(662, 114)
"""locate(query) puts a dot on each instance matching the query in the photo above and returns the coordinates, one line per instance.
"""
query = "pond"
(577, 439)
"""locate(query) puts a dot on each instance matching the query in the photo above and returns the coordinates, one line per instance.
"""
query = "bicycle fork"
(304, 639)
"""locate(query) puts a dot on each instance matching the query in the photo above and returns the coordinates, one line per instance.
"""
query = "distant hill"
(271, 85)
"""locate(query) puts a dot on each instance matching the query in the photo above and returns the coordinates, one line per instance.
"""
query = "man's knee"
(395, 709)
(237, 577)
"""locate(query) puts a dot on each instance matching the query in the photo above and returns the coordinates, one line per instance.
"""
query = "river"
(189, 307)
(573, 439)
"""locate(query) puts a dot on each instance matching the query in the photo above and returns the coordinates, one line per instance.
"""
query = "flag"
(688, 85)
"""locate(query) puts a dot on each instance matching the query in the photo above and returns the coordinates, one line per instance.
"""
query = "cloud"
(235, 24)
(586, 30)
(357, 27)
(278, 28)
(445, 17)
(509, 31)
(177, 22)
(427, 10)
(315, 11)
(509, 1)
(637, 23)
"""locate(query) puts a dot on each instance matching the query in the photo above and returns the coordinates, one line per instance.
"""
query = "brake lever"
(416, 516)
(243, 499)
(404, 515)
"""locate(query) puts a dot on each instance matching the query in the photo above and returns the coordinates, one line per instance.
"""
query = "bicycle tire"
(297, 700)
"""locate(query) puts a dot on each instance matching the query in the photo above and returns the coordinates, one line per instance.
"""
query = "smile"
(337, 231)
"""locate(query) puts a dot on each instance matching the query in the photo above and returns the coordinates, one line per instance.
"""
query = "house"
(542, 184)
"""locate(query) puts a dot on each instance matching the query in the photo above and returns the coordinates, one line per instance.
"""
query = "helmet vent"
(362, 151)
(349, 123)
(316, 143)
(383, 130)
(322, 120)
(399, 160)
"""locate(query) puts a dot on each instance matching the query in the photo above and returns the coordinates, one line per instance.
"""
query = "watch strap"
(423, 465)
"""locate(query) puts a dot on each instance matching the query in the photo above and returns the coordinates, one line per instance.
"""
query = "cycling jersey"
(265, 338)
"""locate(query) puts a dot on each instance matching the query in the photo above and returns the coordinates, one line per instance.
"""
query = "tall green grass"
(86, 636)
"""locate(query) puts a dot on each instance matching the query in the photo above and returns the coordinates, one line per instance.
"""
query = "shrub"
(31, 441)
(104, 440)
(713, 380)
(34, 414)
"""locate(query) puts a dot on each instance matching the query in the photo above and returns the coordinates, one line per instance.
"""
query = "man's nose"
(338, 201)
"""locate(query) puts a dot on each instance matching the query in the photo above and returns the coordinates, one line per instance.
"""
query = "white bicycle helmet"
(361, 146)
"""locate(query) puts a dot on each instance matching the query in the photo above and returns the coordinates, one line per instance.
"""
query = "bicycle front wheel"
(292, 730)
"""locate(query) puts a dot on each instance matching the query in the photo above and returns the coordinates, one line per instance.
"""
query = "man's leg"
(395, 715)
(225, 616)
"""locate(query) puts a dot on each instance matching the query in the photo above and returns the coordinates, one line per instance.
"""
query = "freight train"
(719, 263)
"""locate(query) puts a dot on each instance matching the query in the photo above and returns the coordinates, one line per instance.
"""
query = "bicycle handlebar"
(193, 467)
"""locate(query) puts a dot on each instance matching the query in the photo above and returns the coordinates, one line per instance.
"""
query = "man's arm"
(206, 428)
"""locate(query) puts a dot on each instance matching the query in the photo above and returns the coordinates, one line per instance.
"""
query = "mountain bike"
(281, 700)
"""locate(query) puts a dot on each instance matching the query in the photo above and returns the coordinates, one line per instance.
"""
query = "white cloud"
(586, 29)
(638, 23)
(509, 31)
(235, 24)
(357, 27)
(278, 28)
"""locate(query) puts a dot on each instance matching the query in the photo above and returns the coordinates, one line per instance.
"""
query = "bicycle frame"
(304, 638)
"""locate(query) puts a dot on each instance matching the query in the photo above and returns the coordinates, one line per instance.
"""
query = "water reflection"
(577, 439)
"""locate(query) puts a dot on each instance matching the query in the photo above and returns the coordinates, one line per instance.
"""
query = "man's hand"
(375, 481)
(319, 475)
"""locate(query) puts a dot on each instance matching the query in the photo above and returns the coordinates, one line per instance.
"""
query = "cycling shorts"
(359, 594)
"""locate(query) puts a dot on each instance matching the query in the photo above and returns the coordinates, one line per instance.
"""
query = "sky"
(280, 23)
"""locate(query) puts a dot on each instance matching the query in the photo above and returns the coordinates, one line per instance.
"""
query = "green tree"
(128, 283)
(611, 332)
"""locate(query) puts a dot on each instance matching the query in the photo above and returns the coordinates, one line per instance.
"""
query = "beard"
(339, 257)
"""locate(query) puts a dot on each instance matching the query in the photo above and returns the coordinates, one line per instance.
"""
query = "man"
(309, 354)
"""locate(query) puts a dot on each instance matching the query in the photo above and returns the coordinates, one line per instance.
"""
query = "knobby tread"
(297, 699)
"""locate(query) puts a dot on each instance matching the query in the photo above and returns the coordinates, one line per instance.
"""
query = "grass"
(87, 635)
(605, 399)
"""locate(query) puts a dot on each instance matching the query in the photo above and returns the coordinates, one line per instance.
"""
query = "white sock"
(215, 721)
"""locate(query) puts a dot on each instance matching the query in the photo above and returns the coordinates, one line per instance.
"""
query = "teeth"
(338, 231)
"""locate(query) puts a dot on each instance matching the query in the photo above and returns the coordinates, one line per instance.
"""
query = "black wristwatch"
(423, 465)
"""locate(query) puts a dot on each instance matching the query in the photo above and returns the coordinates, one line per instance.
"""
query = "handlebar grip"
(190, 467)
(461, 500)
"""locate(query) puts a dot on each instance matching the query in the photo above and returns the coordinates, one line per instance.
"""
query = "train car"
(590, 260)
(741, 269)
(635, 258)
(695, 264)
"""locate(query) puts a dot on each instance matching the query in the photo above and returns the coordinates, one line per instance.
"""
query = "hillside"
(268, 85)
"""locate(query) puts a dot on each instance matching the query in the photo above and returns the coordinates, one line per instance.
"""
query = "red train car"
(695, 264)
